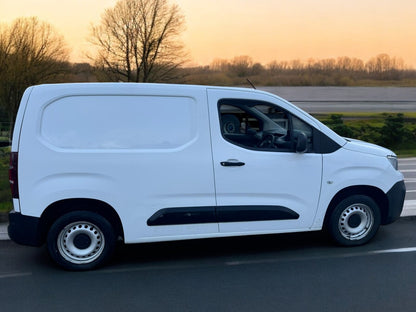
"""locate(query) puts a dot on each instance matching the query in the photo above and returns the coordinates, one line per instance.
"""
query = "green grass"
(403, 153)
(6, 206)
(5, 194)
(361, 121)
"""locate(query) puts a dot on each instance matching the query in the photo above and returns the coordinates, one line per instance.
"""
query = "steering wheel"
(267, 141)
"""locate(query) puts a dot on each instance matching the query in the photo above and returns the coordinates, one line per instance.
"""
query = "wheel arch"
(61, 207)
(373, 192)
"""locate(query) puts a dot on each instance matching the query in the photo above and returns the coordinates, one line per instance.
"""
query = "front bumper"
(396, 200)
(24, 230)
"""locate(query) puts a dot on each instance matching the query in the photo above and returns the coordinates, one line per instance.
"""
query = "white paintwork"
(71, 122)
(267, 178)
(116, 160)
(346, 167)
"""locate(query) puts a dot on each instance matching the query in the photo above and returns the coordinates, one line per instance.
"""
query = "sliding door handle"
(232, 163)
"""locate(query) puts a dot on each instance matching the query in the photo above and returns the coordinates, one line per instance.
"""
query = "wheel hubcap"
(356, 221)
(80, 242)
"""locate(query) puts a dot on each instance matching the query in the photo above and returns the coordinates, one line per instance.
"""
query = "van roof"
(135, 86)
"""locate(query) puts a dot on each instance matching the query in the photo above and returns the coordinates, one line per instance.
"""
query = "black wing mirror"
(302, 143)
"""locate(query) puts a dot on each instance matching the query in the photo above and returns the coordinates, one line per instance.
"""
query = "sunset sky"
(266, 30)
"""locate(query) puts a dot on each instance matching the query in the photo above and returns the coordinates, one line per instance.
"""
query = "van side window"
(261, 126)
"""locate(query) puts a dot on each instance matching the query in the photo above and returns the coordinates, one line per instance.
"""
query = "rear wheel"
(81, 240)
(354, 221)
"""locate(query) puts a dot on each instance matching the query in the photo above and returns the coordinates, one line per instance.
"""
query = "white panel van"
(95, 163)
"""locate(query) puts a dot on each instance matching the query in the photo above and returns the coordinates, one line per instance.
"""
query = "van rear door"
(14, 154)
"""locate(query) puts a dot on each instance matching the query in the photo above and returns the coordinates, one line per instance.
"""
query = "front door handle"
(232, 163)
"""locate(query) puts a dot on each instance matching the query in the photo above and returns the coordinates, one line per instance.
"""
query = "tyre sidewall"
(75, 216)
(336, 214)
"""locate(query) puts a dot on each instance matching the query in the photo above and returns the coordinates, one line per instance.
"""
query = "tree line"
(244, 65)
(341, 71)
(139, 41)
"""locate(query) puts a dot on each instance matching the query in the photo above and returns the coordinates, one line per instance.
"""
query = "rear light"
(13, 174)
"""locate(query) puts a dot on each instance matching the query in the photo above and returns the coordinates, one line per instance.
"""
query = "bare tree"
(241, 65)
(385, 67)
(138, 41)
(276, 67)
(221, 65)
(31, 52)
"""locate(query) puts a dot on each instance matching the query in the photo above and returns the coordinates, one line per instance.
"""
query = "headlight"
(393, 160)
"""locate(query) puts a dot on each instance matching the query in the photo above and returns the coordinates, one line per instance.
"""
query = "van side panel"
(137, 149)
(102, 123)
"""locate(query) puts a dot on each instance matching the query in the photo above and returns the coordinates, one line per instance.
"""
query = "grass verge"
(369, 127)
(5, 195)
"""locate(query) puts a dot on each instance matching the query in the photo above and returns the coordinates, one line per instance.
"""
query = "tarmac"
(409, 210)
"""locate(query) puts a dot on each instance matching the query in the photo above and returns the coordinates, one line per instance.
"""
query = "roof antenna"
(251, 84)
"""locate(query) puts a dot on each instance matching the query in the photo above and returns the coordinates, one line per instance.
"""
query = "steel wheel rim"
(356, 221)
(69, 245)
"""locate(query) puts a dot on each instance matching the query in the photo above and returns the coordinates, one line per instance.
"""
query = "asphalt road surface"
(295, 272)
(348, 99)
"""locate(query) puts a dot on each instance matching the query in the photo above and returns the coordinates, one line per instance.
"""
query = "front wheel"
(80, 240)
(354, 221)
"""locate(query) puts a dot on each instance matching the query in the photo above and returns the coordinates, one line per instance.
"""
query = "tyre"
(354, 221)
(81, 240)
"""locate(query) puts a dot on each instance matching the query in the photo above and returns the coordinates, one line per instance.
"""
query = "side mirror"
(302, 143)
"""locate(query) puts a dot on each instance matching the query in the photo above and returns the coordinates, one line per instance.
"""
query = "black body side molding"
(254, 213)
(187, 215)
(220, 214)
